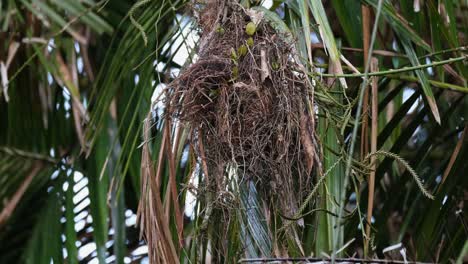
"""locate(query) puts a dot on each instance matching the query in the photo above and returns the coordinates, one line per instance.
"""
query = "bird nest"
(249, 106)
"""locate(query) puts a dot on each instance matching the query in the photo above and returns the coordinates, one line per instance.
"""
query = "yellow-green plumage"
(250, 28)
(220, 30)
(242, 50)
(250, 42)
(235, 72)
(233, 54)
(275, 65)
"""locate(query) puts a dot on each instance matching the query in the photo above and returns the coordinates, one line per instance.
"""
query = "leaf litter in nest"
(248, 102)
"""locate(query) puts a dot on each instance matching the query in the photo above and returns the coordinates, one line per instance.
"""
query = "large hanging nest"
(249, 105)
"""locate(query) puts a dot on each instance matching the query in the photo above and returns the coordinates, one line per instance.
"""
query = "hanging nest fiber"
(249, 105)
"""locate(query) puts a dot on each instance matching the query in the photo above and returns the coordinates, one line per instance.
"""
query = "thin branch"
(328, 260)
(393, 71)
(384, 53)
(438, 84)
(387, 53)
(462, 48)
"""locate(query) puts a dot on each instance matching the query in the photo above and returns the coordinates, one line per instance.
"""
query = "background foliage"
(79, 79)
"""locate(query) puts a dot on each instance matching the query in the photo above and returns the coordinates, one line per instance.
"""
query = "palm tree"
(96, 127)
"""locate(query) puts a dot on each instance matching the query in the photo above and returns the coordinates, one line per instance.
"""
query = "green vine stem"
(438, 84)
(393, 71)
